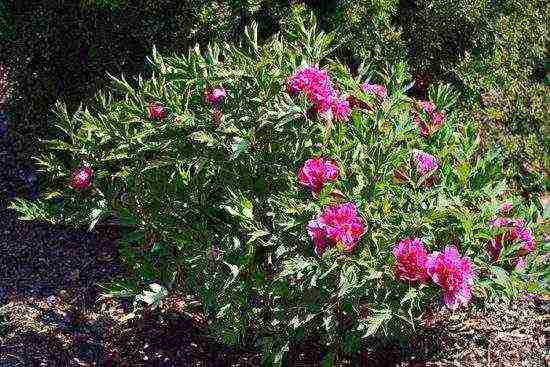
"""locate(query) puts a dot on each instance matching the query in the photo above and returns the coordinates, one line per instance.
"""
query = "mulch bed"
(53, 316)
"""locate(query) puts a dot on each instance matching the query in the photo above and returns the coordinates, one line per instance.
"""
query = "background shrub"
(494, 53)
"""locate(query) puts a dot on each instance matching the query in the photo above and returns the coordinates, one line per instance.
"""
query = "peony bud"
(81, 178)
(378, 90)
(216, 253)
(215, 95)
(156, 111)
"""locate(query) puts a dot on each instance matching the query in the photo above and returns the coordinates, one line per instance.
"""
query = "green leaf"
(257, 234)
(238, 147)
(329, 321)
(154, 297)
(35, 210)
(280, 353)
(203, 137)
(223, 311)
(348, 279)
(95, 216)
(328, 361)
(374, 323)
(501, 277)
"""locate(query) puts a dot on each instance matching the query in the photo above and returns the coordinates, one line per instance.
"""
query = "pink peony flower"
(427, 106)
(411, 260)
(81, 177)
(317, 171)
(425, 162)
(505, 208)
(315, 83)
(379, 90)
(156, 111)
(341, 109)
(516, 232)
(338, 226)
(454, 274)
(215, 95)
(435, 119)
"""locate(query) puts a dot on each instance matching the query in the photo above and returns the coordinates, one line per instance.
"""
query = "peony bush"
(283, 196)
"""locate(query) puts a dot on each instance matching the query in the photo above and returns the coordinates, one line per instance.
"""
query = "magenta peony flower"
(500, 222)
(379, 90)
(411, 260)
(338, 226)
(505, 208)
(215, 95)
(303, 79)
(317, 171)
(425, 162)
(454, 274)
(516, 232)
(317, 232)
(81, 177)
(341, 109)
(315, 83)
(524, 236)
(156, 111)
(435, 119)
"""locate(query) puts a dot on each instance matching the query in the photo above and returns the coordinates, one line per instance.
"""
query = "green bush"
(6, 23)
(493, 52)
(206, 190)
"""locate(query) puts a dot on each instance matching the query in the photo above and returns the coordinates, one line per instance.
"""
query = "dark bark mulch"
(52, 315)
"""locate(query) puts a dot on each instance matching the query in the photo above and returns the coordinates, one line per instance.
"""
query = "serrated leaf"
(348, 280)
(154, 297)
(223, 311)
(95, 216)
